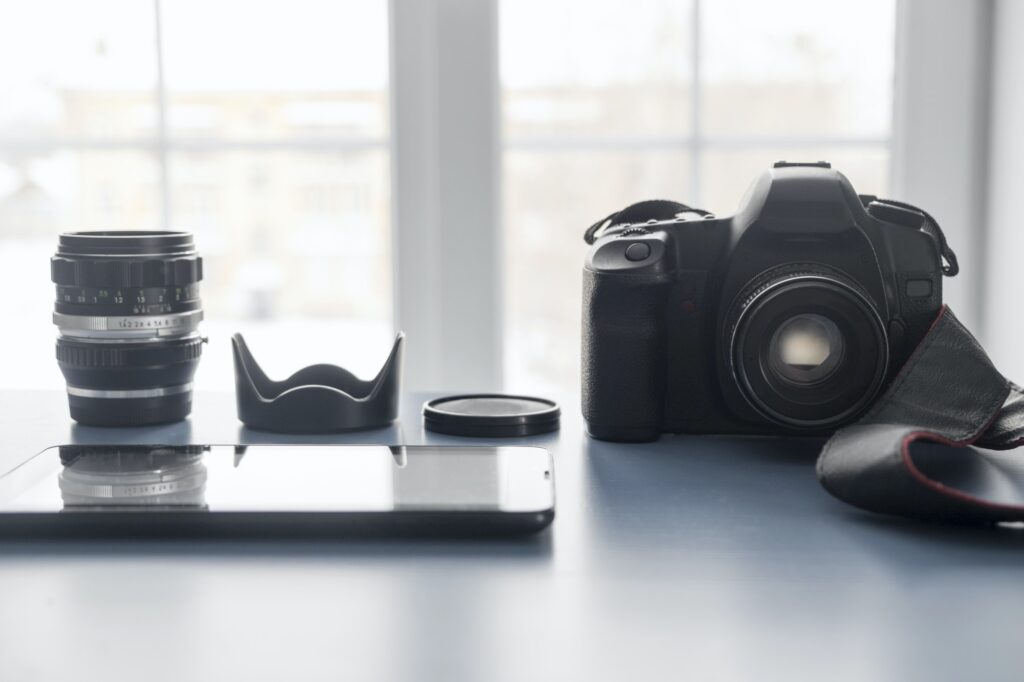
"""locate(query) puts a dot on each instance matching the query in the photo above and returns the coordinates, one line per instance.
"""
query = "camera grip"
(624, 344)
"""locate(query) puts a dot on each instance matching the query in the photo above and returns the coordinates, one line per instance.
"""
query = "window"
(267, 129)
(260, 127)
(631, 100)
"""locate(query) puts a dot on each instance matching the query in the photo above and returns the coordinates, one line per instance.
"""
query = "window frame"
(940, 132)
(445, 143)
(446, 192)
(941, 54)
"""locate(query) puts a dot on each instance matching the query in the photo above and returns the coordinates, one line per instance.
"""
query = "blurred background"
(350, 169)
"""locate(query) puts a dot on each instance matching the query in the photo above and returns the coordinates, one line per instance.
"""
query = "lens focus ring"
(122, 273)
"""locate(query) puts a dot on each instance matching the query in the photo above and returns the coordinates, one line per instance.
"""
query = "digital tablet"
(278, 490)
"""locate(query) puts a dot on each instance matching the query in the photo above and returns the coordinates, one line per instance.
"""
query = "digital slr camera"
(788, 317)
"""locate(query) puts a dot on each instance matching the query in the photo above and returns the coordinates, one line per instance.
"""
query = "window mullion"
(696, 132)
(444, 135)
(161, 121)
(939, 145)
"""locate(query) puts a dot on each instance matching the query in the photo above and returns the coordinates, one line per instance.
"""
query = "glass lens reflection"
(162, 477)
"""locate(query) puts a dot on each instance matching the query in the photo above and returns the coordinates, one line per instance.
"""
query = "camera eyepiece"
(127, 310)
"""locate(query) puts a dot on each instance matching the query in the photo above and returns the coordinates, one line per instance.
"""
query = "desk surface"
(712, 558)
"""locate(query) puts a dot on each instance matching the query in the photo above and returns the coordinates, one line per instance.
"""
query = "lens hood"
(318, 398)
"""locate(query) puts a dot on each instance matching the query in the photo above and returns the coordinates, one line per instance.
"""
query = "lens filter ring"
(133, 243)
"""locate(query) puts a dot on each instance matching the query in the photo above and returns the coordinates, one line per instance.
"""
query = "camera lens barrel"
(127, 310)
(808, 350)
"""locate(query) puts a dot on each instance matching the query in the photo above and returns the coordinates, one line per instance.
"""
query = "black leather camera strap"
(907, 214)
(910, 455)
(885, 209)
(640, 212)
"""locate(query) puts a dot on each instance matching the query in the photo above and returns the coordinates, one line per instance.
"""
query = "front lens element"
(806, 349)
(128, 312)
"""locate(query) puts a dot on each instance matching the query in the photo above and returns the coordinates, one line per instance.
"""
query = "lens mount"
(808, 350)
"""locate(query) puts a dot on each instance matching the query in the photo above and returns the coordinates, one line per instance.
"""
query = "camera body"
(788, 317)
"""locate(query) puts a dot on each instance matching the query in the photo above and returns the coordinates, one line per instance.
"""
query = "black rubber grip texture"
(85, 354)
(89, 271)
(623, 359)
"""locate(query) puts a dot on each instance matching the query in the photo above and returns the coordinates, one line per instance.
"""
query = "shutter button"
(638, 251)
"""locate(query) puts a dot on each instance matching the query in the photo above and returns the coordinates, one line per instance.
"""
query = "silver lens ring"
(128, 327)
(102, 338)
(132, 486)
(129, 393)
(130, 491)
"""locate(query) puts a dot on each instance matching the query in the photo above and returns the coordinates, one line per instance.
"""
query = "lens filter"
(491, 415)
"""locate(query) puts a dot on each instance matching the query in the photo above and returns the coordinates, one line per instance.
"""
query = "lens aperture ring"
(128, 326)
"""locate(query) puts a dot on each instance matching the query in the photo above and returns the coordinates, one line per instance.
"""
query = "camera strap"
(910, 455)
(884, 209)
(907, 214)
(640, 212)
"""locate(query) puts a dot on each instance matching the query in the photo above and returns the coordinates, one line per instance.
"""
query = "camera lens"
(127, 311)
(808, 350)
